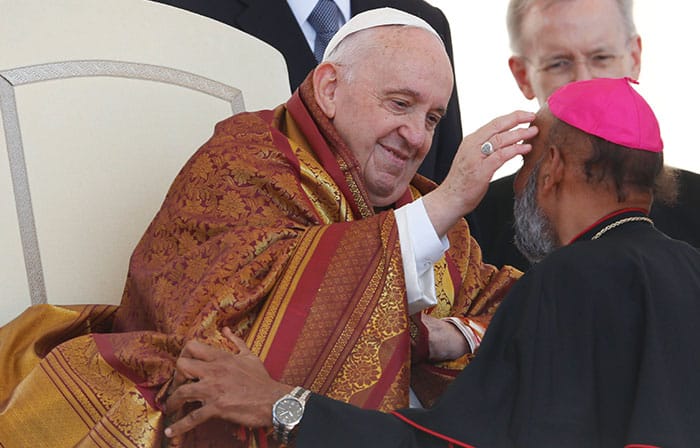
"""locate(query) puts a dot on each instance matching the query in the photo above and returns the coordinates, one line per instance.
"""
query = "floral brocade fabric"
(267, 230)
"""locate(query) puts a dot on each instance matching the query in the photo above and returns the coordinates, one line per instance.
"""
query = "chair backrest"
(102, 102)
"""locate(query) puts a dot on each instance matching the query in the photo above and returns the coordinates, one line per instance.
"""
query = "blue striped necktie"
(325, 19)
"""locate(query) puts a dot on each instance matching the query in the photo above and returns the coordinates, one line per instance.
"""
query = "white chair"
(102, 102)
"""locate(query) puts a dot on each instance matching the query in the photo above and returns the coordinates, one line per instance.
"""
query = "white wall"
(669, 79)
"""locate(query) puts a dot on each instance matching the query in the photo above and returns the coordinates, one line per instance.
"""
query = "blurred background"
(669, 76)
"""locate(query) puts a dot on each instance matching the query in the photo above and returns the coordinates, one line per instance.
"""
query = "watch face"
(289, 411)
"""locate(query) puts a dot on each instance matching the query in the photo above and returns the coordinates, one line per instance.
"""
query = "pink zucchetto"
(610, 109)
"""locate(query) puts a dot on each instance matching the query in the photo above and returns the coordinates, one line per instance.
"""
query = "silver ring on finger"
(487, 148)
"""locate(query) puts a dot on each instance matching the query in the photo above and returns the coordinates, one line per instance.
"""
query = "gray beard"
(534, 233)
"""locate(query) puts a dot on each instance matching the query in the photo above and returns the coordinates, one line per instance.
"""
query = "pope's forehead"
(406, 36)
(406, 46)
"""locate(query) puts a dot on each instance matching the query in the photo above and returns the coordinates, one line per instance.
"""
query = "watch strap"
(282, 432)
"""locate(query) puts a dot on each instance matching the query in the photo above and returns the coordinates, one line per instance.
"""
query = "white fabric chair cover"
(102, 102)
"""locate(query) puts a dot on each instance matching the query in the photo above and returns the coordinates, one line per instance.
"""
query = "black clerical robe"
(596, 346)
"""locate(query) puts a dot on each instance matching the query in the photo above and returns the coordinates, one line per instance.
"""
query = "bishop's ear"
(325, 80)
(552, 169)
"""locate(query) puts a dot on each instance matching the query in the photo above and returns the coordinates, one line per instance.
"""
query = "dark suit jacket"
(492, 221)
(273, 22)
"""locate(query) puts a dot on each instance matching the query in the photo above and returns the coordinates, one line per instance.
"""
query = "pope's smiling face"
(388, 104)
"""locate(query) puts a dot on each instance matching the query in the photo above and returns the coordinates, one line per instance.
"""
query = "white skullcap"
(374, 18)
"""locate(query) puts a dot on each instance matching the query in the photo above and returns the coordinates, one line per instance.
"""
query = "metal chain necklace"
(611, 226)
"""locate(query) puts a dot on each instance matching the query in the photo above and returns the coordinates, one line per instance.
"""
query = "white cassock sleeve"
(421, 248)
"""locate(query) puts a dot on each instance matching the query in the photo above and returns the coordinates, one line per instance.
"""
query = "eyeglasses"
(597, 64)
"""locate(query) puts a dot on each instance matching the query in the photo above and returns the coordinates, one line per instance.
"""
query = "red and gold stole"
(336, 321)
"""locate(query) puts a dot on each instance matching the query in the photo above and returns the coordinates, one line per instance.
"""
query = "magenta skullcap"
(609, 108)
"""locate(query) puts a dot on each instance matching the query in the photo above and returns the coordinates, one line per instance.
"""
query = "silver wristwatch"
(287, 413)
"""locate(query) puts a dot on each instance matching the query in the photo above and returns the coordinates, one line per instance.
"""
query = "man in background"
(555, 42)
(289, 26)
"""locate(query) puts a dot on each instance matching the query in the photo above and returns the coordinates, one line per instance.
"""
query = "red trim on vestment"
(452, 373)
(262, 437)
(391, 370)
(455, 275)
(320, 147)
(431, 432)
(606, 217)
(405, 198)
(104, 346)
(279, 140)
(299, 306)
